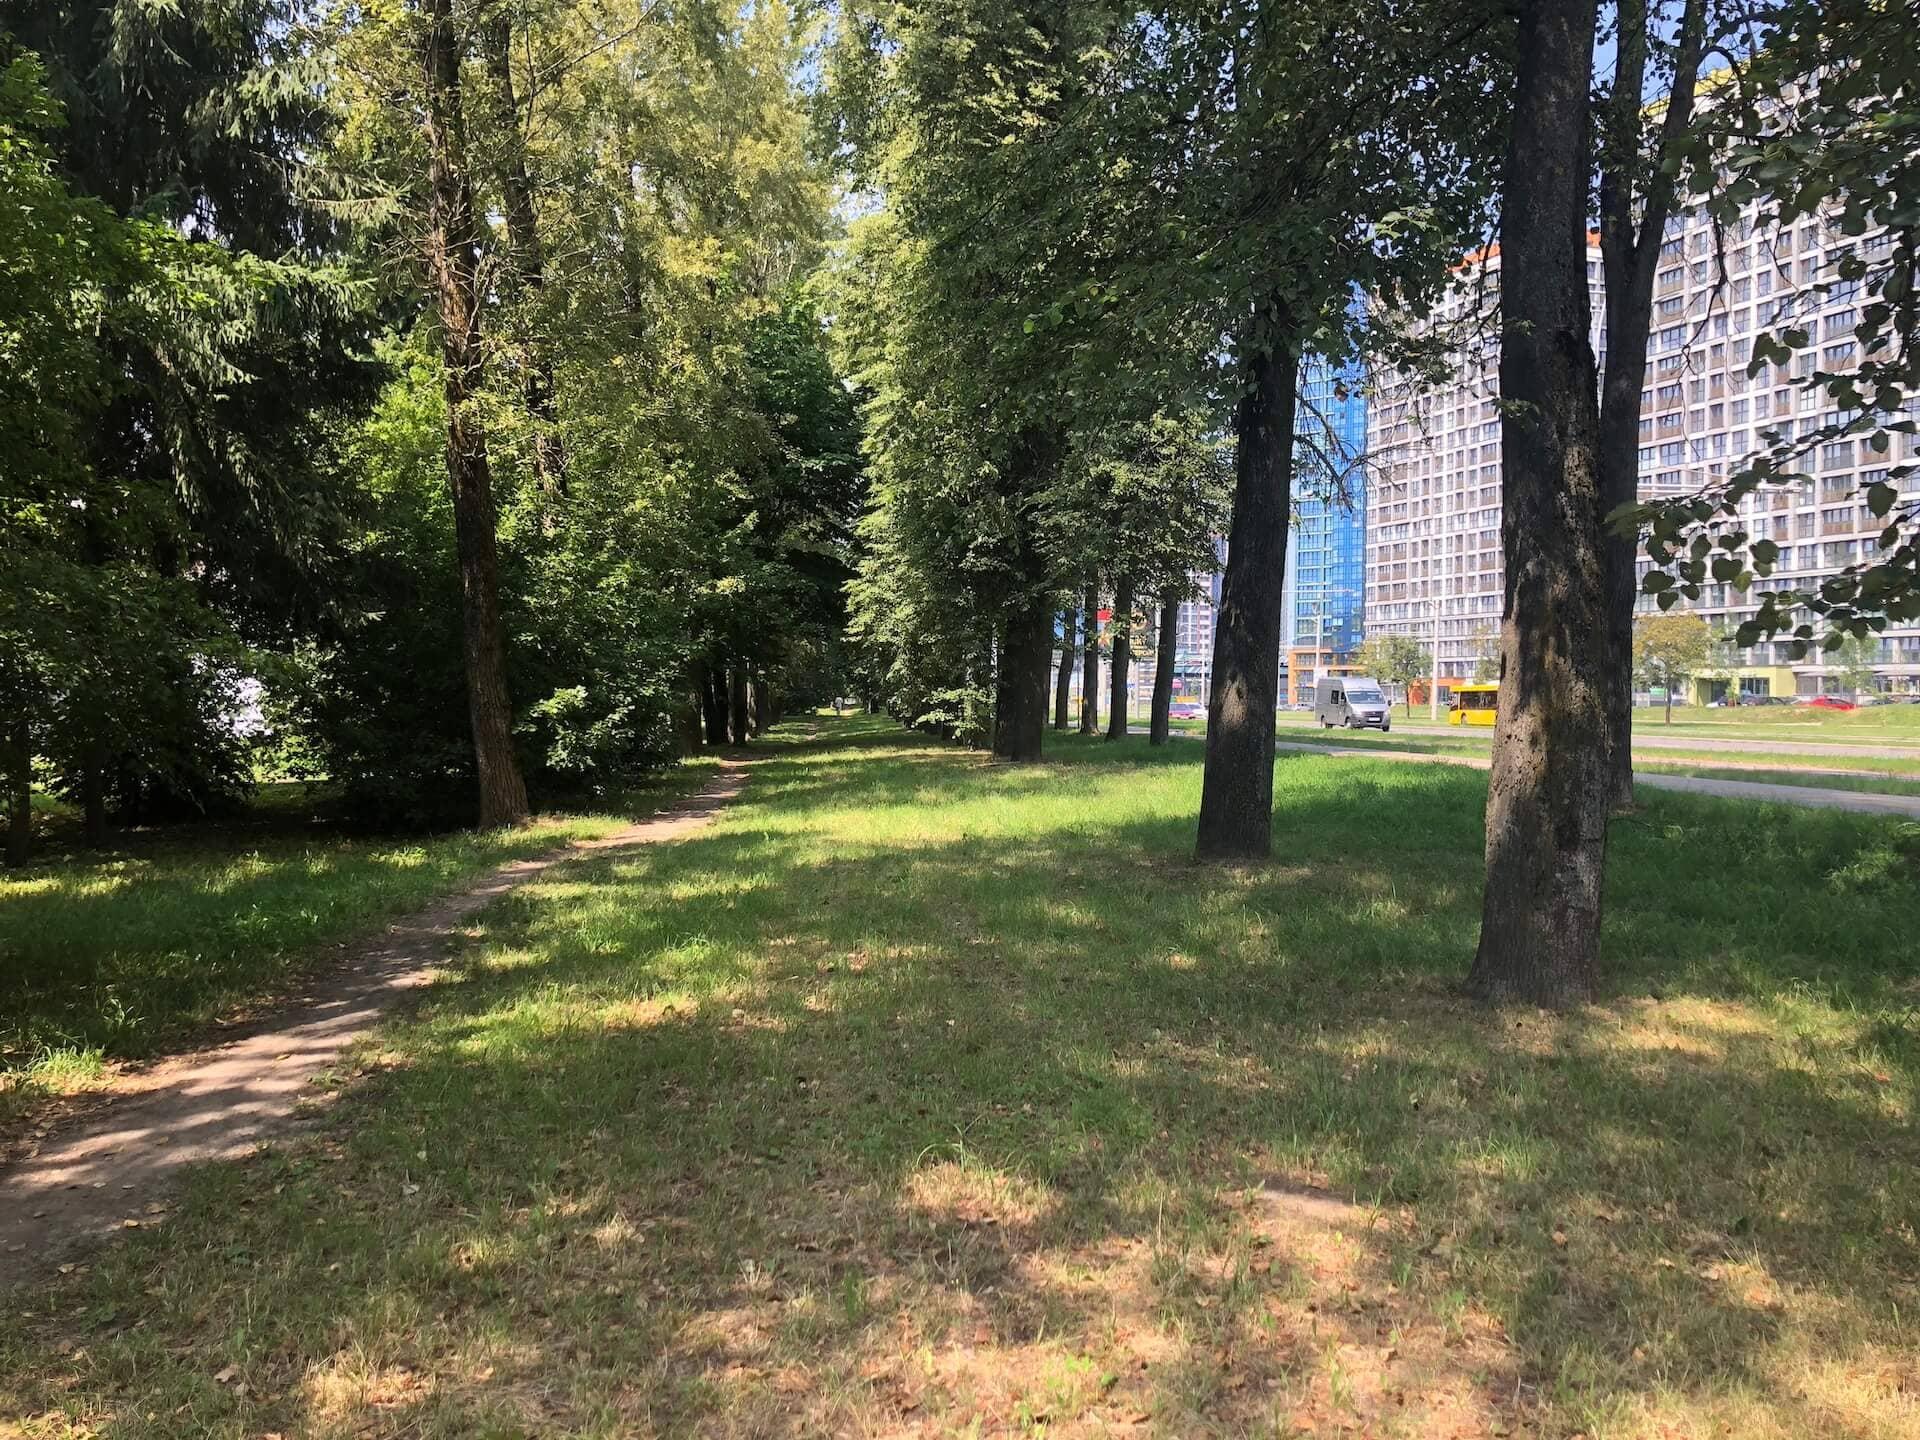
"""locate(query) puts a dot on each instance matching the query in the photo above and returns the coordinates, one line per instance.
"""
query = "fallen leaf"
(226, 1376)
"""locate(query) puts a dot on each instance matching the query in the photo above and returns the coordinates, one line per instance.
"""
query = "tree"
(1396, 659)
(1546, 797)
(1063, 682)
(204, 494)
(1486, 655)
(1854, 664)
(1815, 120)
(1669, 651)
(452, 255)
(969, 418)
(1090, 663)
(1141, 501)
(1639, 159)
(1121, 652)
(1166, 655)
(1320, 148)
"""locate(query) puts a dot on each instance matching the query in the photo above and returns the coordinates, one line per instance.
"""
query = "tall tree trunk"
(1090, 662)
(16, 773)
(739, 722)
(716, 703)
(529, 257)
(1026, 630)
(1020, 683)
(756, 705)
(689, 716)
(1120, 660)
(1236, 790)
(1547, 795)
(93, 801)
(1160, 726)
(1633, 225)
(1063, 686)
(452, 255)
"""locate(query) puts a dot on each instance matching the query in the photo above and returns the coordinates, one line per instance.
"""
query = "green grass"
(921, 1095)
(1895, 783)
(1893, 725)
(121, 954)
(1879, 774)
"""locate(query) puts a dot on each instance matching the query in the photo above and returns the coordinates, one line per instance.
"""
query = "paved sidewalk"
(106, 1172)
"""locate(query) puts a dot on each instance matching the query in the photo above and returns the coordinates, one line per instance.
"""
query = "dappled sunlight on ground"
(922, 1096)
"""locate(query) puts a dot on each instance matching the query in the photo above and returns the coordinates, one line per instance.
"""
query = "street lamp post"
(1433, 685)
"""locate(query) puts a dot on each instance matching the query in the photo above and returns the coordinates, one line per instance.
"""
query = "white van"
(1352, 702)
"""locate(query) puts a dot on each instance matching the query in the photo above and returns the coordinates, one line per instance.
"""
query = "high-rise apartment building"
(1434, 561)
(1323, 606)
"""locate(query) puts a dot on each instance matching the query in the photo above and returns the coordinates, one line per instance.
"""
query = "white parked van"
(1352, 702)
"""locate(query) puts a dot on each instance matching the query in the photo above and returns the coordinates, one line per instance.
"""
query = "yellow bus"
(1476, 704)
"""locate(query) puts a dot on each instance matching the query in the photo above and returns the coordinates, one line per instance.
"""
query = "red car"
(1831, 702)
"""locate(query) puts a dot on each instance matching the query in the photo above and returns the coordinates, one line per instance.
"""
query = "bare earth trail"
(218, 1105)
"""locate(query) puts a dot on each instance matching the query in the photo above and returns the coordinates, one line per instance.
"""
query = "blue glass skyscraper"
(1326, 548)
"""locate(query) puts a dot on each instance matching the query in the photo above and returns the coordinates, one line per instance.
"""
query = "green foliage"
(1670, 650)
(1843, 150)
(1853, 663)
(112, 640)
(1393, 658)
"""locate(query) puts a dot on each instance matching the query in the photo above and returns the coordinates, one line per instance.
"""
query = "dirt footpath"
(111, 1170)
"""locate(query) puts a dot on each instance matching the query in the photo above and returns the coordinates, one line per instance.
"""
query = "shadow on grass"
(129, 951)
(968, 1097)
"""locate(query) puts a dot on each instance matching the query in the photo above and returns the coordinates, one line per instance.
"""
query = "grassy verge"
(1891, 725)
(1885, 775)
(1891, 784)
(119, 955)
(924, 1096)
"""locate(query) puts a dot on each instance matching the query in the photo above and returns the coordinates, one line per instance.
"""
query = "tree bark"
(1236, 790)
(1630, 256)
(1547, 795)
(16, 772)
(740, 723)
(1063, 686)
(689, 715)
(529, 258)
(93, 803)
(713, 702)
(1120, 660)
(1160, 726)
(452, 256)
(1090, 662)
(1020, 683)
(1026, 623)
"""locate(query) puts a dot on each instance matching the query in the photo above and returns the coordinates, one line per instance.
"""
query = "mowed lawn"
(923, 1096)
